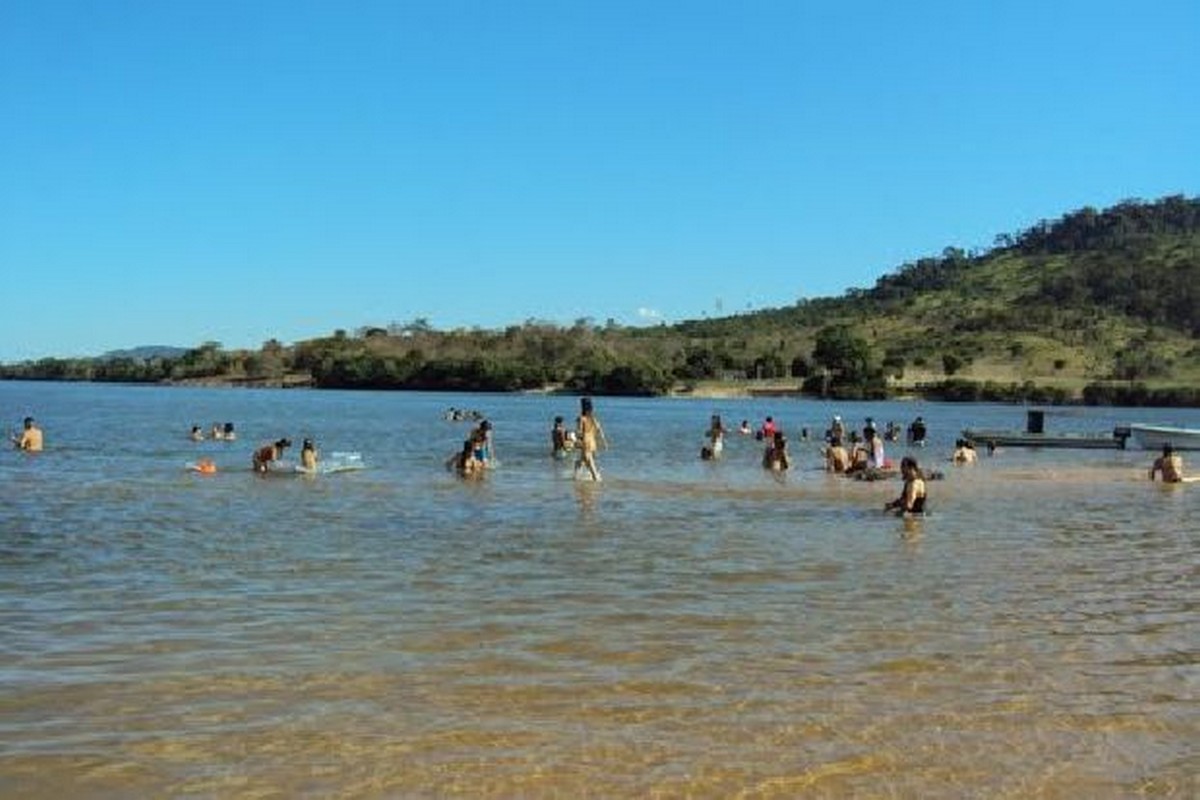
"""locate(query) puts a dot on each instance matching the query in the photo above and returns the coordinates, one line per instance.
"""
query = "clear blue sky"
(174, 172)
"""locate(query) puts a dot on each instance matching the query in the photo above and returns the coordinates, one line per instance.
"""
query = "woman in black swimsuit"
(912, 499)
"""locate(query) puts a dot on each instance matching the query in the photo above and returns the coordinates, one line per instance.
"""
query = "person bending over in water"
(1170, 464)
(267, 455)
(308, 455)
(912, 498)
(591, 436)
(30, 439)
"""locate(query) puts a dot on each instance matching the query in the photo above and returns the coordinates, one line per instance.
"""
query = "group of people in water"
(864, 458)
(263, 459)
(584, 440)
(218, 432)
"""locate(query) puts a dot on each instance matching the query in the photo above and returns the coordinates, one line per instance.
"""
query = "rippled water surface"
(682, 629)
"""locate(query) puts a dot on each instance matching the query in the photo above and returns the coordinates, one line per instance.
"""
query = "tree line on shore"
(1107, 300)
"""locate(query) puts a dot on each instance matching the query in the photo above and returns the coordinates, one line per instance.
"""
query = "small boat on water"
(1153, 437)
(1035, 435)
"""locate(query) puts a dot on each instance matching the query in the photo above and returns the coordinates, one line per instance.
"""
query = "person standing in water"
(591, 435)
(775, 456)
(1170, 464)
(484, 443)
(716, 436)
(308, 455)
(912, 498)
(30, 439)
(558, 439)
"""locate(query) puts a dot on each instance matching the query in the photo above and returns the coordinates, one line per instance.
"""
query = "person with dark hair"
(775, 456)
(916, 432)
(836, 458)
(481, 435)
(590, 436)
(464, 463)
(228, 434)
(912, 498)
(716, 436)
(268, 454)
(559, 444)
(30, 439)
(308, 455)
(1170, 464)
(964, 452)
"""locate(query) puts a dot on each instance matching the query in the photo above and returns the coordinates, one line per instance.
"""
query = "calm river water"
(682, 629)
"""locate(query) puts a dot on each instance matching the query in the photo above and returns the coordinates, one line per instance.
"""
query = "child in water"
(308, 455)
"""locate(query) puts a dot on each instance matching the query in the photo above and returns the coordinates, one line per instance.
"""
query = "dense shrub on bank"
(959, 390)
(1138, 394)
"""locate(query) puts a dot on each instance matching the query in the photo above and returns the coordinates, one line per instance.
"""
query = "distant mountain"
(144, 353)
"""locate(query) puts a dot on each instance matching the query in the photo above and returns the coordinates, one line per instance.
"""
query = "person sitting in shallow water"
(836, 458)
(1170, 464)
(912, 498)
(464, 463)
(196, 435)
(860, 456)
(964, 452)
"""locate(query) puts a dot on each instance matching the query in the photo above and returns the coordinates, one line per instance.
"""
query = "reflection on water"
(681, 629)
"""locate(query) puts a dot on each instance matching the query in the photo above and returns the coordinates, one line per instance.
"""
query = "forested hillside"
(1103, 305)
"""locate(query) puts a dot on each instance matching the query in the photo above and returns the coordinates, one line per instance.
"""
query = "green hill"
(1094, 296)
(1098, 305)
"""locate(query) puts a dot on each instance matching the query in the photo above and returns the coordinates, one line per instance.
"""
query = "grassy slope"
(995, 317)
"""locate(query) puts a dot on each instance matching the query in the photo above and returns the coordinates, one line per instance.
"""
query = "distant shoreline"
(952, 390)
